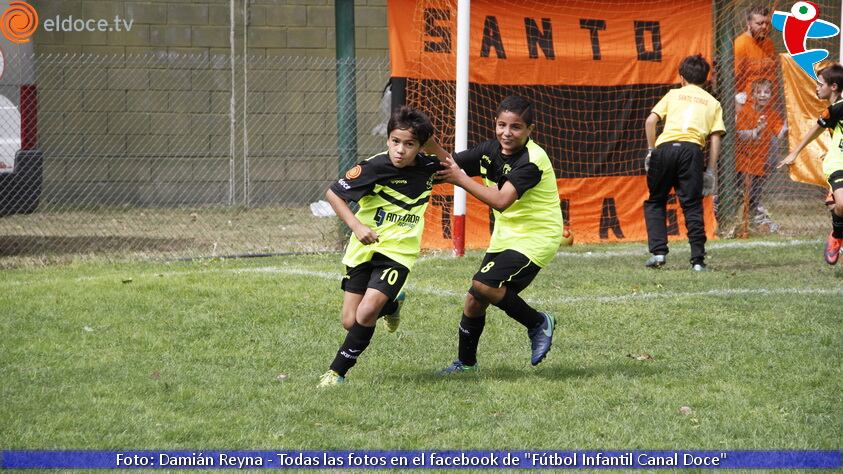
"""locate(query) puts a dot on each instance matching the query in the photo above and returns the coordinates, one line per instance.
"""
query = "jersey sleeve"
(831, 116)
(661, 107)
(358, 181)
(718, 126)
(522, 177)
(469, 160)
(430, 163)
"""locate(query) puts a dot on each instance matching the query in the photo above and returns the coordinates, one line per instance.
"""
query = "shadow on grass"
(27, 245)
(547, 370)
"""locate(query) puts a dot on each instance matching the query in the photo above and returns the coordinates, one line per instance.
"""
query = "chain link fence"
(179, 156)
(755, 198)
(170, 155)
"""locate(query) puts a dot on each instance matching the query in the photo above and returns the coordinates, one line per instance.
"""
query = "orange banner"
(596, 43)
(803, 110)
(605, 209)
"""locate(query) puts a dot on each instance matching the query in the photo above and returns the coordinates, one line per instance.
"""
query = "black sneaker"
(541, 338)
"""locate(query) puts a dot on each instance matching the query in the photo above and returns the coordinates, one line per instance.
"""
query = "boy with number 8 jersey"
(520, 185)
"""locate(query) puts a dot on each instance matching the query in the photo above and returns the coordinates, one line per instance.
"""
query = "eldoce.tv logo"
(72, 25)
(19, 22)
(801, 23)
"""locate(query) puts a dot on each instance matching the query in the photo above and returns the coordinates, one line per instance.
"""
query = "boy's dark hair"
(694, 69)
(833, 74)
(414, 120)
(757, 10)
(517, 105)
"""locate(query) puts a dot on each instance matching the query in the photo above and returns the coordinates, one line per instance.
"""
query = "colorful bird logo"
(797, 26)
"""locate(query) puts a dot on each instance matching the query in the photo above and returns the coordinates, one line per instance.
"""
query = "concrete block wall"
(156, 131)
(274, 27)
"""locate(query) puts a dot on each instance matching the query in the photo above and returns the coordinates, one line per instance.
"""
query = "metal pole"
(346, 85)
(246, 171)
(232, 119)
(728, 192)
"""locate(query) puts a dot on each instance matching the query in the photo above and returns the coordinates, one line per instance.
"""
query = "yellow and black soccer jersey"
(690, 114)
(392, 203)
(832, 119)
(532, 225)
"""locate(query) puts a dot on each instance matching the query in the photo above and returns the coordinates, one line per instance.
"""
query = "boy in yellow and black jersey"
(829, 87)
(392, 189)
(519, 184)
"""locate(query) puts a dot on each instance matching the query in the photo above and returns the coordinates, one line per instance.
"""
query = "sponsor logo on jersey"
(353, 172)
(344, 184)
(403, 220)
(397, 181)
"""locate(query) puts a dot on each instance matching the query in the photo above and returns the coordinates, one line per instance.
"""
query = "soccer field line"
(642, 251)
(450, 293)
(712, 293)
(447, 255)
(636, 296)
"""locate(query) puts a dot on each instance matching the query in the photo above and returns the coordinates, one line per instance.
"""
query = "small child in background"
(760, 128)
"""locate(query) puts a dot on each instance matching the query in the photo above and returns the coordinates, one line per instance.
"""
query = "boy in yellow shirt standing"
(676, 159)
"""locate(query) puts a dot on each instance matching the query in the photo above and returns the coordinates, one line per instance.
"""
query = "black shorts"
(508, 268)
(836, 180)
(381, 273)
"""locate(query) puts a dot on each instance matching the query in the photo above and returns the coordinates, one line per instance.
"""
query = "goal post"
(461, 117)
(594, 70)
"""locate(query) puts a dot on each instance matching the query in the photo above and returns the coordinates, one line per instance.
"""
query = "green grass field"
(188, 355)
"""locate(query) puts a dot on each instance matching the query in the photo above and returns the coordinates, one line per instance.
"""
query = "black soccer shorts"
(508, 268)
(381, 273)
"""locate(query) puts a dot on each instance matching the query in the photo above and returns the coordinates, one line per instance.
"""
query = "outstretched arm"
(498, 199)
(364, 234)
(433, 147)
(812, 135)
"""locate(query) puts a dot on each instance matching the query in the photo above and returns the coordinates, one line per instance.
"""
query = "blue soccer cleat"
(541, 338)
(457, 367)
